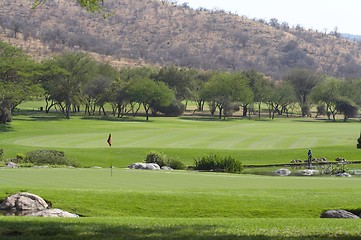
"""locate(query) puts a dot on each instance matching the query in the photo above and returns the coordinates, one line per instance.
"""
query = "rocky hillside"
(165, 33)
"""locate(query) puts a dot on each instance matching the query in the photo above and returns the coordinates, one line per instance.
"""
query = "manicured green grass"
(133, 204)
(251, 141)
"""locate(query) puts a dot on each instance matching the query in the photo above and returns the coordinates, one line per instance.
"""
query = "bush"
(175, 109)
(158, 158)
(1, 154)
(163, 160)
(45, 157)
(176, 164)
(213, 162)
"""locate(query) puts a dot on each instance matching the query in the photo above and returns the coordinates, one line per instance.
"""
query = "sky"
(315, 14)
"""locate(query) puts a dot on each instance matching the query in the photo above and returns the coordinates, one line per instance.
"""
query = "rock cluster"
(28, 204)
(148, 166)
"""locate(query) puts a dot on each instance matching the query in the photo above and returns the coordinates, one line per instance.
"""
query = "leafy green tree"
(348, 107)
(226, 89)
(96, 91)
(349, 102)
(17, 80)
(199, 81)
(90, 5)
(281, 97)
(148, 93)
(329, 92)
(303, 81)
(180, 80)
(64, 85)
(261, 88)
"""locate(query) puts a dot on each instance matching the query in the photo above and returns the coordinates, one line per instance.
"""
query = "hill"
(166, 33)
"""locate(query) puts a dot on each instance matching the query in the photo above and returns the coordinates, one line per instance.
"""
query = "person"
(309, 157)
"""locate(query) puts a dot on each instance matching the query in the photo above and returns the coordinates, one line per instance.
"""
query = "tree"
(148, 93)
(180, 80)
(348, 107)
(200, 80)
(17, 80)
(261, 88)
(65, 85)
(225, 90)
(90, 5)
(96, 91)
(282, 95)
(303, 81)
(328, 92)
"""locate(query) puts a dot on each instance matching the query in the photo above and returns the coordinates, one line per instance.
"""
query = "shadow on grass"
(28, 229)
(5, 128)
(208, 119)
(116, 119)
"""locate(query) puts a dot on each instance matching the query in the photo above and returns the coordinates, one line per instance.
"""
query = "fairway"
(179, 133)
(251, 141)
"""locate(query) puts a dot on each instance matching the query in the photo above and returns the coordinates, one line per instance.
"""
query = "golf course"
(121, 203)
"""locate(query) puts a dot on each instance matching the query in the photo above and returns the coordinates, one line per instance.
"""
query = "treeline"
(168, 33)
(75, 82)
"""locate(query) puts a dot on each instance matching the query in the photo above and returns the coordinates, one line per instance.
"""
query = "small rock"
(338, 214)
(166, 168)
(308, 172)
(283, 172)
(11, 165)
(343, 175)
(53, 213)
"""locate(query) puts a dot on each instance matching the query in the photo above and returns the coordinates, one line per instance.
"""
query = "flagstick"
(109, 141)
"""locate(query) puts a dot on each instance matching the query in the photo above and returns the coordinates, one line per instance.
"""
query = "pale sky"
(315, 14)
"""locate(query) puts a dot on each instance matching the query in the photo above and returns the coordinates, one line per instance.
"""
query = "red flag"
(109, 141)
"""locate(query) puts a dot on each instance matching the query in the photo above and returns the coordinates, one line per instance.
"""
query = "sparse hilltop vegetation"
(165, 32)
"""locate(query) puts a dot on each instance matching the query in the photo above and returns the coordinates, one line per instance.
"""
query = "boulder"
(28, 204)
(54, 212)
(24, 201)
(283, 172)
(338, 214)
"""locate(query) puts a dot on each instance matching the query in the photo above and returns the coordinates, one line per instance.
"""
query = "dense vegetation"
(75, 82)
(165, 32)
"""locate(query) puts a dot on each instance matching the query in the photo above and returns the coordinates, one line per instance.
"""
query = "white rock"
(283, 172)
(54, 212)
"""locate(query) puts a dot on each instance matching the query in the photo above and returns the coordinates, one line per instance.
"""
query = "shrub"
(213, 162)
(20, 157)
(1, 154)
(44, 157)
(208, 162)
(158, 158)
(176, 164)
(175, 109)
(163, 160)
